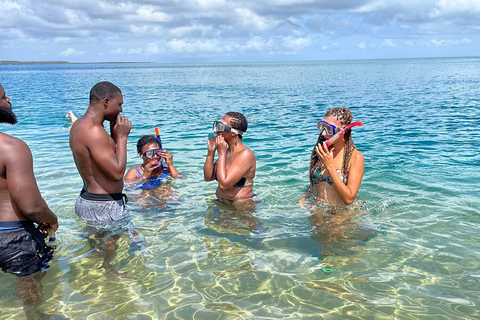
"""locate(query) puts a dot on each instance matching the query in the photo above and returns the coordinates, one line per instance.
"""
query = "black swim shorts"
(23, 250)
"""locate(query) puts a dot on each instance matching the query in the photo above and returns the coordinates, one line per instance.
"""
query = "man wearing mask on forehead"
(23, 251)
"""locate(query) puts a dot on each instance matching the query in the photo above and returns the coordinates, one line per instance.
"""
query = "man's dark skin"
(20, 200)
(101, 159)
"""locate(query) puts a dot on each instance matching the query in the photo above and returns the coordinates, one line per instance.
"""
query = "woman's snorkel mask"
(329, 129)
(221, 126)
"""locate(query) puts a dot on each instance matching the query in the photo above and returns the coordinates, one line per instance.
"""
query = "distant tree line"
(8, 62)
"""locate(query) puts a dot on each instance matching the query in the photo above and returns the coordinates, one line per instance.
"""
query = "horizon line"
(37, 62)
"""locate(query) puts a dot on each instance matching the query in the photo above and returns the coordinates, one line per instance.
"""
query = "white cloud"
(62, 40)
(212, 28)
(118, 51)
(122, 51)
(152, 49)
(71, 52)
(388, 43)
(250, 20)
(455, 7)
(448, 43)
(138, 31)
(10, 5)
(181, 46)
(258, 44)
(148, 14)
(296, 43)
(136, 51)
(371, 6)
(190, 31)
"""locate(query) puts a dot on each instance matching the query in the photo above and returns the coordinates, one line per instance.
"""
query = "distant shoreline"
(11, 62)
(17, 63)
(14, 62)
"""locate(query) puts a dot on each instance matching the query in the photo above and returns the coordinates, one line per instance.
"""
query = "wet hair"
(144, 141)
(238, 121)
(344, 115)
(103, 90)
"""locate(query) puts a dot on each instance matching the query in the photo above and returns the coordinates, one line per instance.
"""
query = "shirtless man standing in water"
(101, 160)
(23, 251)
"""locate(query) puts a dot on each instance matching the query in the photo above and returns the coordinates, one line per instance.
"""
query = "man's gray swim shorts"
(101, 207)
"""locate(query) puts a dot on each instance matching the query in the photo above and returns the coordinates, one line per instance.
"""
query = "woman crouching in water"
(235, 166)
(335, 173)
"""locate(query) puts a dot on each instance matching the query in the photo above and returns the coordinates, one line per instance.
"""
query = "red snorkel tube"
(157, 133)
(340, 133)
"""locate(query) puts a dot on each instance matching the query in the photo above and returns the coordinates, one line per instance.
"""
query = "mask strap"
(238, 132)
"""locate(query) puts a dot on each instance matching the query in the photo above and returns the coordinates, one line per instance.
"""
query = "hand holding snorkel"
(120, 127)
(166, 156)
(323, 151)
(340, 133)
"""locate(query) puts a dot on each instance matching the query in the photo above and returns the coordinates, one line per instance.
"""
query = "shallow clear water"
(414, 254)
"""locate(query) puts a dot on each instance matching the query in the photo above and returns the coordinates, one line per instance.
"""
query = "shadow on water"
(339, 235)
(233, 223)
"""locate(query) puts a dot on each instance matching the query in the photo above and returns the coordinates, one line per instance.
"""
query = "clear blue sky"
(237, 30)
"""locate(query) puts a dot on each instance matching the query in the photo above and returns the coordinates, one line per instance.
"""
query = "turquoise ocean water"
(414, 254)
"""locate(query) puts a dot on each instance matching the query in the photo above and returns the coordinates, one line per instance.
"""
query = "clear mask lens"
(220, 126)
(152, 153)
(325, 129)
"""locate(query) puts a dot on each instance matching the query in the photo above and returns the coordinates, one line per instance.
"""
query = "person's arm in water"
(305, 196)
(240, 165)
(23, 186)
(349, 191)
(209, 166)
(132, 175)
(111, 159)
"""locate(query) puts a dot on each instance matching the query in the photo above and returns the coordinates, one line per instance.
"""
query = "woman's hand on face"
(167, 156)
(211, 145)
(325, 155)
(221, 145)
(150, 167)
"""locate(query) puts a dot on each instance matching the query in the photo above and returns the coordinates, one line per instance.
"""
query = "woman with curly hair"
(335, 172)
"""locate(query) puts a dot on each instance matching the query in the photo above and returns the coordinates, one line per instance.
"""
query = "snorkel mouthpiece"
(157, 133)
(340, 133)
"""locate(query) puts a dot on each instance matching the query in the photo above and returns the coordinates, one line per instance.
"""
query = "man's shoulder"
(8, 142)
(12, 149)
(86, 128)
